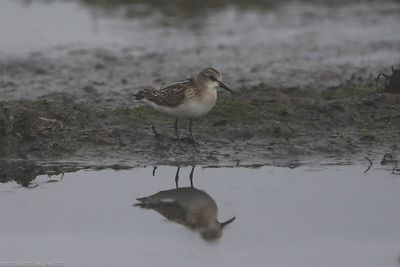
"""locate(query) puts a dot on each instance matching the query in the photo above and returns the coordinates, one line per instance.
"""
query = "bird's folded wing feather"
(171, 95)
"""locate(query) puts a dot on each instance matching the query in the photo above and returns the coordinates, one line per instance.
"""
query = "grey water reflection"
(188, 206)
(287, 217)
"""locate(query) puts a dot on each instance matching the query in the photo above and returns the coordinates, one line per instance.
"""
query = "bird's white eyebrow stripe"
(215, 71)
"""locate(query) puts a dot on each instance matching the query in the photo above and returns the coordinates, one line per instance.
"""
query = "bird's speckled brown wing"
(171, 95)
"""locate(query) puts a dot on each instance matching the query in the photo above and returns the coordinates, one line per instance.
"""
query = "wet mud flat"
(304, 76)
(266, 125)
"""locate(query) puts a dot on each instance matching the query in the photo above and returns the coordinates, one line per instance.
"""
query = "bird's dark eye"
(212, 78)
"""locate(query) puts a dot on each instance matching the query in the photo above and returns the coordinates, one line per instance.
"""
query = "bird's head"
(210, 77)
(213, 231)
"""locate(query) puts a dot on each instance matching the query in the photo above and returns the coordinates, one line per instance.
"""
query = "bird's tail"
(141, 203)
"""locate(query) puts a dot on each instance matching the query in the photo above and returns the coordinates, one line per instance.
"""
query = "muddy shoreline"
(269, 125)
(304, 76)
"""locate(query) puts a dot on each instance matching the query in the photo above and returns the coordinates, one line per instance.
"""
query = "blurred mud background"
(304, 72)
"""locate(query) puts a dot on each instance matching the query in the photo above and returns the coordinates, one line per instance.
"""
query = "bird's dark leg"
(154, 170)
(177, 177)
(191, 176)
(176, 132)
(190, 132)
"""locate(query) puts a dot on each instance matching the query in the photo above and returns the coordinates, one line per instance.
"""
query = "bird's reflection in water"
(187, 206)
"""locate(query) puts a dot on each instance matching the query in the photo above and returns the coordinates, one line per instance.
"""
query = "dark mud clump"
(266, 125)
(392, 81)
(25, 172)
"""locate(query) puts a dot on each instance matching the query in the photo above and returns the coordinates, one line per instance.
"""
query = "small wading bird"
(188, 99)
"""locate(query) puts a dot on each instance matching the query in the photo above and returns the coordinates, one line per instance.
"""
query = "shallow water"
(304, 216)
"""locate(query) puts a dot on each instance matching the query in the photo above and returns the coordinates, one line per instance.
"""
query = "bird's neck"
(207, 95)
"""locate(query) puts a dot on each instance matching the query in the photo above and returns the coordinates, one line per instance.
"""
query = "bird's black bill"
(221, 84)
(223, 224)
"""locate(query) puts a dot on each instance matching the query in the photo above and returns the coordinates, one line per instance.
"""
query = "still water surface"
(306, 216)
(283, 44)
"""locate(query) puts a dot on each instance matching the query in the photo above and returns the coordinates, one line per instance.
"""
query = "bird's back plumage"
(170, 96)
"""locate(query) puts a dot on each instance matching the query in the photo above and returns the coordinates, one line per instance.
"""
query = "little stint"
(190, 98)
